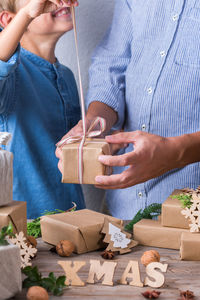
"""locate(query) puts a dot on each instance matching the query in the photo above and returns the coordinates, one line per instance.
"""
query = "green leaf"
(5, 231)
(50, 283)
(52, 276)
(61, 281)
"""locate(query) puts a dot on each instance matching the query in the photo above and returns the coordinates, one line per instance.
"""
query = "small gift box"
(171, 213)
(82, 227)
(14, 213)
(190, 246)
(10, 262)
(91, 167)
(152, 233)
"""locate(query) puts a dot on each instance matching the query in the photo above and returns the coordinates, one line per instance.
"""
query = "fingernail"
(101, 158)
(98, 179)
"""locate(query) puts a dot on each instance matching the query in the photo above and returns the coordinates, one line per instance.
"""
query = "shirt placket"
(150, 87)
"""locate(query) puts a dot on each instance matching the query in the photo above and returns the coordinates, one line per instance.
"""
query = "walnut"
(151, 294)
(108, 254)
(150, 256)
(37, 293)
(65, 248)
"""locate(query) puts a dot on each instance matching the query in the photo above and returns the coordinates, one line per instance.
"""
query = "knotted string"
(91, 132)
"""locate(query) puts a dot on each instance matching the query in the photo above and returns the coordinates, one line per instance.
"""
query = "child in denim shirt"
(38, 100)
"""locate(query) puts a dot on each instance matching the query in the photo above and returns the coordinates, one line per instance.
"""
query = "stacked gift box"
(171, 230)
(13, 212)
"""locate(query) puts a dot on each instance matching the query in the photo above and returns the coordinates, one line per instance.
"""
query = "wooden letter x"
(107, 269)
(70, 272)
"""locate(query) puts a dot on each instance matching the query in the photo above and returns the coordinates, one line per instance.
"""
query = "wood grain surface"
(181, 275)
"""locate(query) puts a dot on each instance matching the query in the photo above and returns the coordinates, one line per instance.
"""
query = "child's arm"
(13, 32)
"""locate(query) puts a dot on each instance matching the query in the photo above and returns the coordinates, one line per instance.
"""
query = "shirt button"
(175, 17)
(143, 127)
(140, 194)
(162, 53)
(149, 90)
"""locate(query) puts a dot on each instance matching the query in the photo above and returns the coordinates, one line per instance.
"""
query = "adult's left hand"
(152, 156)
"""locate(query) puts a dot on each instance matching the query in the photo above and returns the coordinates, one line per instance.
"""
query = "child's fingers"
(70, 2)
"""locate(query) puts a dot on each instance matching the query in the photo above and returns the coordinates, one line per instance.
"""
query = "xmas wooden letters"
(106, 271)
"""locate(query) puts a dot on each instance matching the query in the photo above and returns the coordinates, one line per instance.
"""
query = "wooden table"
(181, 275)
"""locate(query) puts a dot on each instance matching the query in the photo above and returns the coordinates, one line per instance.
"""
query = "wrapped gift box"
(152, 233)
(6, 177)
(92, 149)
(190, 246)
(16, 214)
(171, 213)
(10, 266)
(82, 227)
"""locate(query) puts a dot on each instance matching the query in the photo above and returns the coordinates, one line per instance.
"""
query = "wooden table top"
(181, 275)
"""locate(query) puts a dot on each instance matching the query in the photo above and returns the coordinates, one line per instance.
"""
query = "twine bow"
(91, 133)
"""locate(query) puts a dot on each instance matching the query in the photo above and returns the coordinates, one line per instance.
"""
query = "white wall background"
(93, 19)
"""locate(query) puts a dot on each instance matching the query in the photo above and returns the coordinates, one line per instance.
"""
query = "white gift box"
(10, 271)
(6, 171)
(6, 177)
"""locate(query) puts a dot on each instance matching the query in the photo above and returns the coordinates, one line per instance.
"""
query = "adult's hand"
(152, 156)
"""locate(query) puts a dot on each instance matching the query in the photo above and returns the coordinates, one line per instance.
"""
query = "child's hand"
(34, 8)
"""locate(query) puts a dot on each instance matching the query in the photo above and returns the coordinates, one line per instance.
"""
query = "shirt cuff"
(6, 68)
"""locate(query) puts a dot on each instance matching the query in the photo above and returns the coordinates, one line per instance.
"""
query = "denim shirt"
(147, 69)
(39, 103)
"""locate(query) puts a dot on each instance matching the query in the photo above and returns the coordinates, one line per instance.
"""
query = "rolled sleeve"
(6, 68)
(110, 61)
(7, 80)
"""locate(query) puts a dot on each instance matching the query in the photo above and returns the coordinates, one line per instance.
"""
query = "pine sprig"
(51, 283)
(149, 212)
(184, 199)
(6, 231)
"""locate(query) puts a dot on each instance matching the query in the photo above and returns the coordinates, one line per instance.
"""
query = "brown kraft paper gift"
(16, 214)
(152, 233)
(190, 246)
(82, 227)
(171, 213)
(92, 149)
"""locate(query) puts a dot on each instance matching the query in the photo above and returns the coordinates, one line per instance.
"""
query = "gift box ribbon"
(98, 122)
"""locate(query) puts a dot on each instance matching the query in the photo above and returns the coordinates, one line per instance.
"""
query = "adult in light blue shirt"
(145, 76)
(38, 103)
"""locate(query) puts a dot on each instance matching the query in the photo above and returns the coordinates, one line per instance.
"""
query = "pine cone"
(151, 294)
(186, 295)
(108, 254)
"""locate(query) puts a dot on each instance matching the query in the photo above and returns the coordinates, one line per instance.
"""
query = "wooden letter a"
(107, 270)
(132, 266)
(70, 272)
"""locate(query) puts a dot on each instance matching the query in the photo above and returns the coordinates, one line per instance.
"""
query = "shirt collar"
(39, 60)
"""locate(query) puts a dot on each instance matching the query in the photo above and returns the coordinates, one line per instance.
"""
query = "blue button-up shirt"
(148, 70)
(38, 104)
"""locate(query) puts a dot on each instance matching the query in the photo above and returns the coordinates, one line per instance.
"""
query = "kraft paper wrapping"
(171, 213)
(152, 233)
(6, 177)
(190, 246)
(16, 214)
(10, 266)
(82, 227)
(92, 149)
